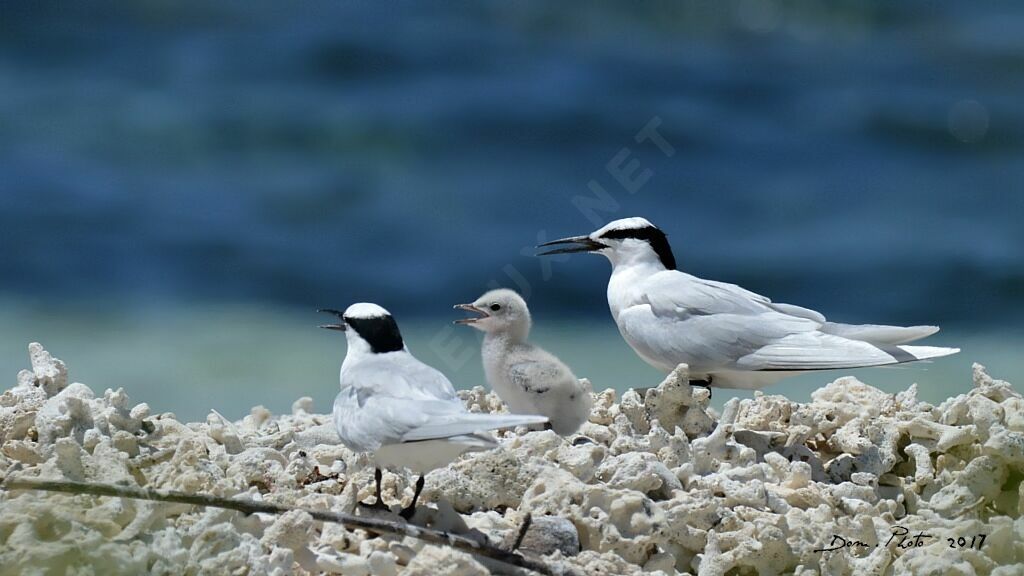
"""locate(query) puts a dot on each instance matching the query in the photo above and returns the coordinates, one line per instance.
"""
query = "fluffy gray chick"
(526, 377)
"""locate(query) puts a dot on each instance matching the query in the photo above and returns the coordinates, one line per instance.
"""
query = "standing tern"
(729, 337)
(403, 412)
(529, 379)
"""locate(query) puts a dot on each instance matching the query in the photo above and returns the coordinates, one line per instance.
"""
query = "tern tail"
(878, 334)
(925, 352)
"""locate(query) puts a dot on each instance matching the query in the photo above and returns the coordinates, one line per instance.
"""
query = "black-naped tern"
(729, 337)
(403, 412)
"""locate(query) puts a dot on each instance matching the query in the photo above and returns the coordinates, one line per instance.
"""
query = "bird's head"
(627, 240)
(498, 311)
(367, 327)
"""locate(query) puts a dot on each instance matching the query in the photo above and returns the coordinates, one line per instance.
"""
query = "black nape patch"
(380, 332)
(656, 238)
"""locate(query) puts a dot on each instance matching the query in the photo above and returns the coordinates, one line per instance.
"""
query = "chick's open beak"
(579, 244)
(481, 314)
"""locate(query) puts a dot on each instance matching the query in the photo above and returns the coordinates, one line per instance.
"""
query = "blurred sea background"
(183, 184)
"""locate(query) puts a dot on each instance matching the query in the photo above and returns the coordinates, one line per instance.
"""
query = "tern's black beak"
(339, 314)
(480, 313)
(580, 244)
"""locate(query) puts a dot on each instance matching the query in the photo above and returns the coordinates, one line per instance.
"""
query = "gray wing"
(365, 421)
(388, 402)
(705, 342)
(399, 375)
(714, 326)
(712, 296)
(676, 292)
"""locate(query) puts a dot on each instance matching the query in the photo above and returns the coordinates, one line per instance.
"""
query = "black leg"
(379, 504)
(419, 488)
(408, 512)
(522, 531)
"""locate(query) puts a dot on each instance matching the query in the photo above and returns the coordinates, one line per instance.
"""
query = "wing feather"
(819, 351)
(405, 400)
(469, 423)
(714, 326)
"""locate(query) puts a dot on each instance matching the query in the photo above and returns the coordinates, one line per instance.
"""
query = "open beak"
(480, 313)
(579, 244)
(337, 313)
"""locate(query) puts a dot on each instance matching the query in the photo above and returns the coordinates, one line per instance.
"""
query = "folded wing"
(404, 402)
(469, 423)
(819, 351)
(713, 325)
(878, 334)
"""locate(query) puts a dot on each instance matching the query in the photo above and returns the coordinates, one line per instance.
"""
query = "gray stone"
(546, 535)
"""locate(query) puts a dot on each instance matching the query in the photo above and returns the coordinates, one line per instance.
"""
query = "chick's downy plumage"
(528, 379)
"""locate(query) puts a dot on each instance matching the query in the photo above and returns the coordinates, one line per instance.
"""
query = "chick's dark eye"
(495, 307)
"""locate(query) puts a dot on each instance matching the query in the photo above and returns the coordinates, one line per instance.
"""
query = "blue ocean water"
(861, 158)
(157, 159)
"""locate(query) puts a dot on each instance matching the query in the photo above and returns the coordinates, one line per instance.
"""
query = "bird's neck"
(624, 286)
(507, 338)
(359, 350)
(357, 347)
(636, 264)
(639, 254)
(352, 357)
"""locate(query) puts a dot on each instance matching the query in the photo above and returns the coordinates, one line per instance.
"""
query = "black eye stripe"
(646, 233)
(656, 238)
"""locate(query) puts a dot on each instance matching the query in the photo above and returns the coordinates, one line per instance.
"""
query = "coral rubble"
(653, 483)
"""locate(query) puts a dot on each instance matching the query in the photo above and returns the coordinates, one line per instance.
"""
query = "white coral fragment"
(653, 483)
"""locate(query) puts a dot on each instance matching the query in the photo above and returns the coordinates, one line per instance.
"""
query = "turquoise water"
(188, 360)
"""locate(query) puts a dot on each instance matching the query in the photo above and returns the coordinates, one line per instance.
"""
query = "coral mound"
(855, 482)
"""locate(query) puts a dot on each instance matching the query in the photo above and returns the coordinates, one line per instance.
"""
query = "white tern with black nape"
(529, 379)
(401, 411)
(729, 337)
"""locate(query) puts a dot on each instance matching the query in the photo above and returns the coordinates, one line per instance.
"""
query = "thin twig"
(250, 507)
(152, 459)
(523, 530)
